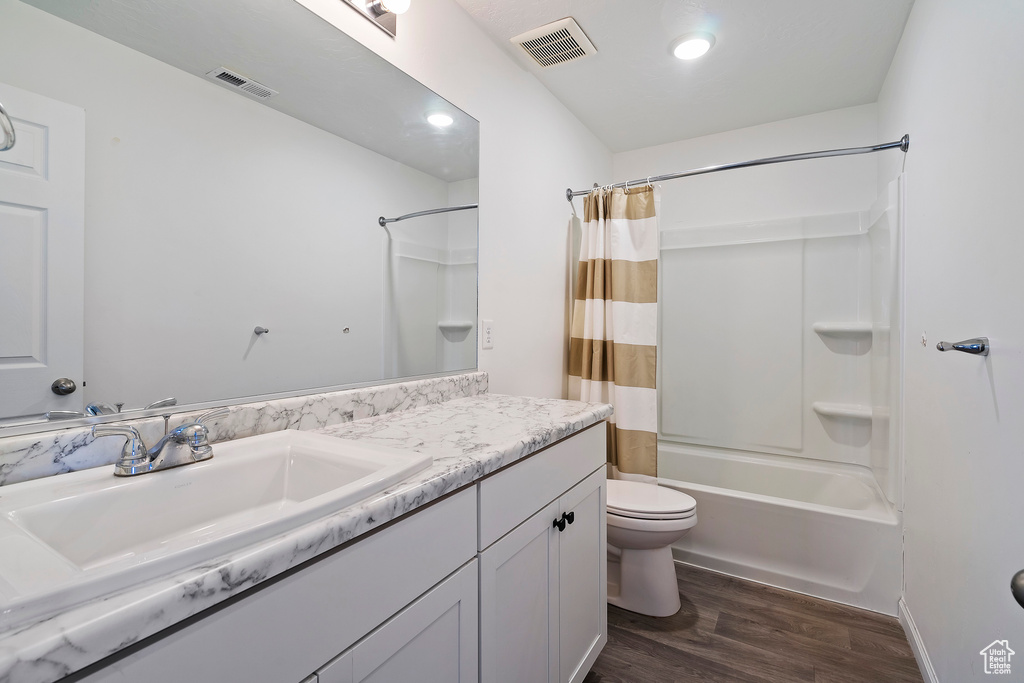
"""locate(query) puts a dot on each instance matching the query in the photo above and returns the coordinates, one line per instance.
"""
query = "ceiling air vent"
(556, 43)
(239, 82)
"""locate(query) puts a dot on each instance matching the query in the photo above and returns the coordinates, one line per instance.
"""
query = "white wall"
(956, 86)
(759, 294)
(531, 149)
(200, 225)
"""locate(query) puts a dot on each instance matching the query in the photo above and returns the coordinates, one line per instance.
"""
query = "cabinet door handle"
(569, 517)
(559, 523)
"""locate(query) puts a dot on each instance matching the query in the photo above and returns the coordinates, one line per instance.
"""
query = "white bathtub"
(818, 528)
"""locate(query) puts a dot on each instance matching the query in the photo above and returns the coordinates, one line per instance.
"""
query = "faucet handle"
(162, 403)
(212, 415)
(134, 453)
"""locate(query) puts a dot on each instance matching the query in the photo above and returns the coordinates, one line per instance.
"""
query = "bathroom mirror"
(232, 161)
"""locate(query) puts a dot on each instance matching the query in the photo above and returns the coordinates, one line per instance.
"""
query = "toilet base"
(644, 581)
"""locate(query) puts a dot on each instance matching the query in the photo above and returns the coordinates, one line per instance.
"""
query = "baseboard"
(916, 644)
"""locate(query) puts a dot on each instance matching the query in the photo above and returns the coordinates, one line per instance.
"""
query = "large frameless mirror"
(192, 210)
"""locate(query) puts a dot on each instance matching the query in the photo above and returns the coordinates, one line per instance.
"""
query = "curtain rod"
(384, 221)
(903, 144)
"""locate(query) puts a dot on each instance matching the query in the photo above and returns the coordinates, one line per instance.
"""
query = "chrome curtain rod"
(903, 144)
(384, 221)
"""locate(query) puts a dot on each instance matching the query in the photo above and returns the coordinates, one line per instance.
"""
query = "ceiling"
(772, 60)
(324, 77)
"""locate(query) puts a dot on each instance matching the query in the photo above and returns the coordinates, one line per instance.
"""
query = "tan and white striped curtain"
(614, 334)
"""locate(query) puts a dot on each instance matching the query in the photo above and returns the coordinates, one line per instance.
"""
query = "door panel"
(519, 603)
(582, 566)
(433, 639)
(42, 216)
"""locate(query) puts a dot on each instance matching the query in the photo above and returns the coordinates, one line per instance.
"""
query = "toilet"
(644, 520)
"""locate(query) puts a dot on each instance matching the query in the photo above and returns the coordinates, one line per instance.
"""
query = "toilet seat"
(638, 500)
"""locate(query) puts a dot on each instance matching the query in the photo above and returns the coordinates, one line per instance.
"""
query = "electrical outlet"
(486, 334)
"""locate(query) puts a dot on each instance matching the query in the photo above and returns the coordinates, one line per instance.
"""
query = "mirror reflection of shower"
(430, 280)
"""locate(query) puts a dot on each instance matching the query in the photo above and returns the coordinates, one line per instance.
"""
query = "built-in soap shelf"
(854, 329)
(455, 325)
(852, 411)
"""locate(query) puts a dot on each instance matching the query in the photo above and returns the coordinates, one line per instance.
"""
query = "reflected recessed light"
(692, 45)
(440, 120)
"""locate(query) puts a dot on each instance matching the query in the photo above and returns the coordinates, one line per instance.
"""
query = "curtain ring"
(649, 182)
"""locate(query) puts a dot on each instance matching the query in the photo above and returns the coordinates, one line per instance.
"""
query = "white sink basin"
(73, 537)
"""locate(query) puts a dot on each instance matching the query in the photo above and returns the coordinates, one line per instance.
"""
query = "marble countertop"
(468, 437)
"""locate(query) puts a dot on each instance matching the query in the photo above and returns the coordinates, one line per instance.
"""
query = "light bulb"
(395, 6)
(440, 120)
(692, 45)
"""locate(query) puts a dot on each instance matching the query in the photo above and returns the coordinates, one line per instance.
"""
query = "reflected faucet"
(184, 445)
(100, 409)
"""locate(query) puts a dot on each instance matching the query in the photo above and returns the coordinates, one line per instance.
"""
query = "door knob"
(559, 524)
(978, 346)
(1017, 587)
(63, 386)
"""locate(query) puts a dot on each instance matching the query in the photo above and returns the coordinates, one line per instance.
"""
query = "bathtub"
(819, 528)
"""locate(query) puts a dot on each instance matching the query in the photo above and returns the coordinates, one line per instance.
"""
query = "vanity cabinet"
(543, 585)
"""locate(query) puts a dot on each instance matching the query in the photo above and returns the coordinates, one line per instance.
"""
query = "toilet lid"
(648, 501)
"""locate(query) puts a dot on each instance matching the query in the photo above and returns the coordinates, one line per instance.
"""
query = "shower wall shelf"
(455, 325)
(855, 329)
(850, 411)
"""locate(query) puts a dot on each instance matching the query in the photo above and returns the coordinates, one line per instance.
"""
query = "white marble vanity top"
(468, 438)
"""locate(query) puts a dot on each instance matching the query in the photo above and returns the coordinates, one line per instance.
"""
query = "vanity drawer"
(515, 493)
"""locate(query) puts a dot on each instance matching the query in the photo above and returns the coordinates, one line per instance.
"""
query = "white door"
(42, 218)
(519, 603)
(583, 582)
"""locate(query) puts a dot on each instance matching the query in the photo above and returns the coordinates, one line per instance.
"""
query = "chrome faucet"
(184, 445)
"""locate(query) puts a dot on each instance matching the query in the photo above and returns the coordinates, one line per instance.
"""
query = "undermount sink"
(73, 537)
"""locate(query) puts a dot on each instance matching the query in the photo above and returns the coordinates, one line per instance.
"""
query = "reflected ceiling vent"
(239, 82)
(556, 43)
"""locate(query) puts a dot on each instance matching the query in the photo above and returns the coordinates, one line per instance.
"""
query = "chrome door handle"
(1017, 587)
(978, 346)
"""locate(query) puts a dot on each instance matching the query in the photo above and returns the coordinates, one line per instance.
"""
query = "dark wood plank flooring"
(731, 630)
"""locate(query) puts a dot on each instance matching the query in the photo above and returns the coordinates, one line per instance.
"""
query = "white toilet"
(643, 521)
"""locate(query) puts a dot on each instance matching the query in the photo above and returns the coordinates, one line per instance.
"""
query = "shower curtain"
(614, 332)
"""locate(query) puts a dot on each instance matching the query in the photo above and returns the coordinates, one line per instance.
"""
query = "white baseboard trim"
(916, 644)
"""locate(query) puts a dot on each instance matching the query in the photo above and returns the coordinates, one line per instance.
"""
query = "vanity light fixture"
(383, 13)
(440, 120)
(692, 45)
(393, 6)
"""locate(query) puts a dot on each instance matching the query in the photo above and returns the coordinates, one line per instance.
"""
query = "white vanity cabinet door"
(543, 592)
(433, 639)
(519, 603)
(583, 582)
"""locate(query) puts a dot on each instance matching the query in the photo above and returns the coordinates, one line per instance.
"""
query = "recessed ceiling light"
(692, 45)
(440, 120)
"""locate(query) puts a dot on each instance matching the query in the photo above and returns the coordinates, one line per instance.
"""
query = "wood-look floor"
(731, 630)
